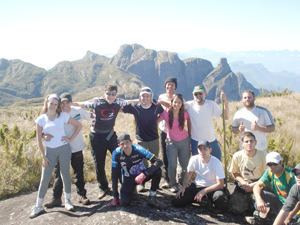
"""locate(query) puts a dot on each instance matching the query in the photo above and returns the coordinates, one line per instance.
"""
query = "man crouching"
(128, 159)
(209, 180)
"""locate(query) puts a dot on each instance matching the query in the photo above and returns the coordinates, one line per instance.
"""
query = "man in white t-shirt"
(253, 118)
(209, 181)
(171, 86)
(201, 113)
(77, 145)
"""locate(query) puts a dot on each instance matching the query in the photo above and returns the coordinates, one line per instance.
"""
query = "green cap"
(199, 88)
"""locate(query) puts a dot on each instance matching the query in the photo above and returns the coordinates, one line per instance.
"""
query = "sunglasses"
(111, 93)
(198, 93)
(272, 164)
(296, 173)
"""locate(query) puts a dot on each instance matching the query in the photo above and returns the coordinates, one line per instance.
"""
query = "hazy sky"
(47, 32)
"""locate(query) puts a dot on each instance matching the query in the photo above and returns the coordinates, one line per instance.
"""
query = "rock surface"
(16, 211)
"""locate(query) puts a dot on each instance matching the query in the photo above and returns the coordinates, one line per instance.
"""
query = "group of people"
(195, 149)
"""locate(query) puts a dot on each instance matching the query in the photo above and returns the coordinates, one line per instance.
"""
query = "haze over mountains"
(131, 68)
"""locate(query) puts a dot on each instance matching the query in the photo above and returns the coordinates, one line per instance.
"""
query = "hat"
(296, 168)
(171, 79)
(123, 137)
(199, 88)
(147, 90)
(273, 157)
(66, 97)
(203, 142)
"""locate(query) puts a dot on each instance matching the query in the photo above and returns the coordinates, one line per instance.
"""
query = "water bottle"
(264, 215)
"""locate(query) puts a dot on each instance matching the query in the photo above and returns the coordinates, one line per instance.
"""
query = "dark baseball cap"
(66, 97)
(123, 137)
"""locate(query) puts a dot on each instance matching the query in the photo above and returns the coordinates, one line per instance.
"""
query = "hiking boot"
(152, 200)
(103, 193)
(53, 203)
(36, 211)
(83, 199)
(68, 205)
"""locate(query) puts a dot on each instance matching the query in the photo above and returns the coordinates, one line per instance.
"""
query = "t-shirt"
(145, 120)
(175, 133)
(78, 114)
(261, 115)
(105, 114)
(281, 185)
(207, 174)
(249, 168)
(56, 128)
(201, 117)
(292, 199)
(162, 124)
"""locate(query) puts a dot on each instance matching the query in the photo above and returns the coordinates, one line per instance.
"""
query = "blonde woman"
(52, 122)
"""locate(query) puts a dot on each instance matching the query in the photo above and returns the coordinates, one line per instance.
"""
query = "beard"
(200, 99)
(250, 105)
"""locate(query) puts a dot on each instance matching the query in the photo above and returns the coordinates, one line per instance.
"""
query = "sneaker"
(36, 211)
(83, 199)
(165, 185)
(250, 219)
(152, 200)
(53, 203)
(68, 205)
(103, 193)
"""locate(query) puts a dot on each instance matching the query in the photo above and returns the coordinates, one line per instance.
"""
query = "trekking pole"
(225, 155)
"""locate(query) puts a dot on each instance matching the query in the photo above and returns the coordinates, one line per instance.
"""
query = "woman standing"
(178, 139)
(52, 122)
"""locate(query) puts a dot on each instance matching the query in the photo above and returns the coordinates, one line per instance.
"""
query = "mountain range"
(130, 69)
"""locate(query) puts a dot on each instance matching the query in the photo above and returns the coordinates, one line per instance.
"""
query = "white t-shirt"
(78, 114)
(162, 125)
(201, 117)
(207, 174)
(261, 115)
(56, 128)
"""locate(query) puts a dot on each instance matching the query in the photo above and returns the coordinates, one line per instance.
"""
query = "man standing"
(247, 166)
(128, 158)
(292, 203)
(77, 145)
(170, 86)
(253, 118)
(281, 179)
(201, 113)
(102, 136)
(145, 113)
(209, 180)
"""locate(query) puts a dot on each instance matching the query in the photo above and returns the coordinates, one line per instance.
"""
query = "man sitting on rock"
(128, 159)
(281, 179)
(209, 180)
(247, 166)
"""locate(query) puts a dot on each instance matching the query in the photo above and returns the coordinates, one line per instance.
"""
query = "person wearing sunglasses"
(201, 113)
(102, 136)
(281, 179)
(291, 206)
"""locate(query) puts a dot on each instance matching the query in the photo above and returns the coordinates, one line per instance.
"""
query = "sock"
(152, 193)
(39, 202)
(67, 196)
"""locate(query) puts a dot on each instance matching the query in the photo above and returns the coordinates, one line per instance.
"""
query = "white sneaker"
(36, 211)
(68, 205)
(174, 188)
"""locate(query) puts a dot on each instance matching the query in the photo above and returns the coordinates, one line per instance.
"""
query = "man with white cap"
(209, 180)
(281, 179)
(146, 114)
(292, 203)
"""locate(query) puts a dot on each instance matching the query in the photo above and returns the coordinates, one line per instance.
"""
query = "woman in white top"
(52, 122)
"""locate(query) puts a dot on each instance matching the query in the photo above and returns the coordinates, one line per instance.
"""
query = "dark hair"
(248, 134)
(45, 106)
(249, 91)
(111, 87)
(181, 112)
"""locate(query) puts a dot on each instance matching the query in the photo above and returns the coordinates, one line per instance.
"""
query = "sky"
(45, 33)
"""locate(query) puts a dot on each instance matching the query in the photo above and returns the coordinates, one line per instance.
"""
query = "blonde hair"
(45, 106)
